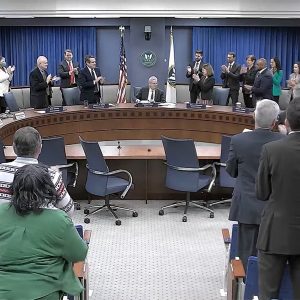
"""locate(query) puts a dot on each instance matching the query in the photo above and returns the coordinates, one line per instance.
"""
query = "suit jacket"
(243, 162)
(38, 89)
(34, 254)
(248, 78)
(262, 86)
(144, 91)
(63, 73)
(277, 78)
(206, 86)
(232, 78)
(278, 183)
(87, 86)
(193, 87)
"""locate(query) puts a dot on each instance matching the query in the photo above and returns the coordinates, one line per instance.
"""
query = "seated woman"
(38, 242)
(206, 85)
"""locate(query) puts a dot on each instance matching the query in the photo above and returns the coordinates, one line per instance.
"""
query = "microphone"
(119, 146)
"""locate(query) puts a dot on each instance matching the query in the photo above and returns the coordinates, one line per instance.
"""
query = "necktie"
(72, 76)
(96, 90)
(196, 66)
(152, 95)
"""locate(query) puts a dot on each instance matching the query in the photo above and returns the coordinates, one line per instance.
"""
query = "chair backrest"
(95, 184)
(71, 95)
(181, 153)
(251, 283)
(11, 102)
(225, 180)
(233, 253)
(135, 91)
(53, 153)
(2, 154)
(220, 95)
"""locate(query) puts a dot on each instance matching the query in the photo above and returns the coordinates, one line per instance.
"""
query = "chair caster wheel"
(184, 219)
(134, 214)
(211, 215)
(77, 206)
(118, 222)
(161, 212)
(86, 211)
(86, 220)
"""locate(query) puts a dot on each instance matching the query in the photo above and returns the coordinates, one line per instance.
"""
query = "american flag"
(123, 73)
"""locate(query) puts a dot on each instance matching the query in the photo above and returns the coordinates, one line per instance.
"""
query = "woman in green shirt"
(38, 242)
(277, 78)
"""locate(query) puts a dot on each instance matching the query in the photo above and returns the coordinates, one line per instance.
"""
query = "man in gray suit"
(243, 161)
(278, 184)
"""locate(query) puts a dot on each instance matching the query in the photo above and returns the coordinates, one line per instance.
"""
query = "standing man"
(278, 184)
(263, 82)
(68, 71)
(89, 80)
(40, 84)
(231, 78)
(151, 92)
(243, 162)
(194, 69)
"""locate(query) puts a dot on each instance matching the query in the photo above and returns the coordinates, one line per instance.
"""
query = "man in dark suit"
(151, 92)
(278, 183)
(263, 82)
(194, 69)
(231, 78)
(89, 80)
(68, 71)
(40, 84)
(243, 161)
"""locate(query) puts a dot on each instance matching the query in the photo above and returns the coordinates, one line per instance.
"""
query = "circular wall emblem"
(148, 58)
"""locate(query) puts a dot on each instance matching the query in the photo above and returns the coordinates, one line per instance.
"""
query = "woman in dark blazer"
(247, 77)
(206, 85)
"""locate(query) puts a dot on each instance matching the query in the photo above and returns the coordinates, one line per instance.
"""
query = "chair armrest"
(114, 173)
(226, 236)
(220, 164)
(87, 236)
(237, 268)
(69, 166)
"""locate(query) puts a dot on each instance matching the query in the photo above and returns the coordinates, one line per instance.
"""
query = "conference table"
(126, 122)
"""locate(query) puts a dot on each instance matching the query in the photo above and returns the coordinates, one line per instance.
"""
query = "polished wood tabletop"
(127, 122)
(131, 152)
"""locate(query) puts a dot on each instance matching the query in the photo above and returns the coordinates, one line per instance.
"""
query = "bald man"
(40, 84)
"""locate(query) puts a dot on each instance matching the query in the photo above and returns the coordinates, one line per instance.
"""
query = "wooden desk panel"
(128, 122)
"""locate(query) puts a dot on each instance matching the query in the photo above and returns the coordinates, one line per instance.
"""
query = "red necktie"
(72, 76)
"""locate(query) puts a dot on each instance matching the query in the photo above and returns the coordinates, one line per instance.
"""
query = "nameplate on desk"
(98, 106)
(242, 110)
(19, 115)
(54, 109)
(150, 104)
(196, 106)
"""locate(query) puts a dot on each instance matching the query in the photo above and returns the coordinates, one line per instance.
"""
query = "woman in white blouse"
(6, 75)
(294, 81)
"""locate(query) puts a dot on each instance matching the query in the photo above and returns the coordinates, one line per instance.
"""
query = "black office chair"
(135, 91)
(53, 154)
(225, 180)
(11, 102)
(2, 154)
(102, 182)
(71, 96)
(220, 95)
(184, 173)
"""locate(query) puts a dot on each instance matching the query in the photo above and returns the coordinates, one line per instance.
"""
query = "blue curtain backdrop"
(265, 42)
(22, 45)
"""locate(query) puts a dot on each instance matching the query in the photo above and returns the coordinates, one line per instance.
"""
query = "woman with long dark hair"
(277, 78)
(38, 242)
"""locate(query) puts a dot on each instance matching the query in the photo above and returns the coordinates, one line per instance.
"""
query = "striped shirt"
(7, 172)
